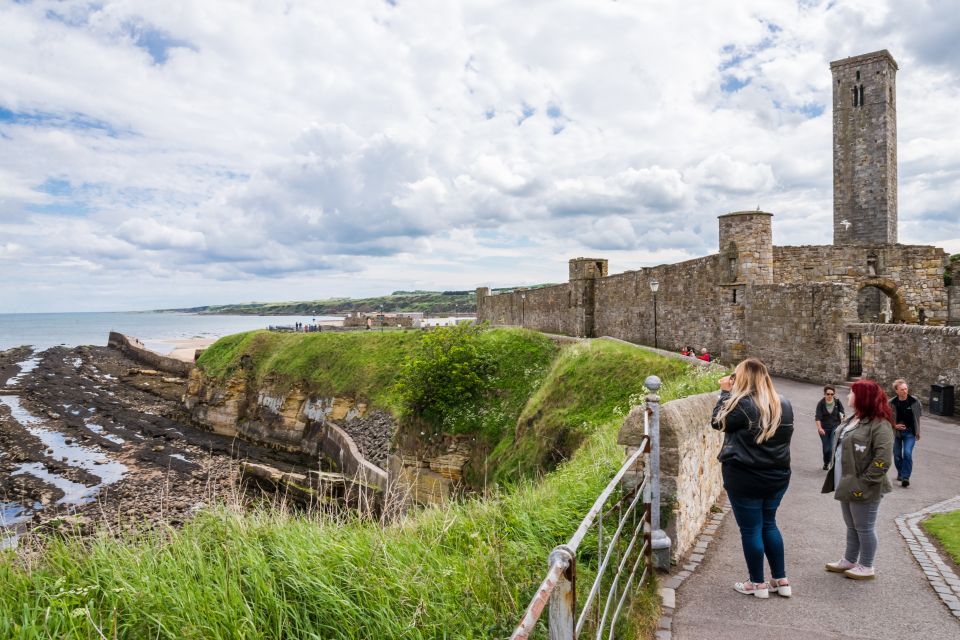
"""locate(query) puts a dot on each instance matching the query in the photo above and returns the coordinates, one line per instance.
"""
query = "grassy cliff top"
(365, 365)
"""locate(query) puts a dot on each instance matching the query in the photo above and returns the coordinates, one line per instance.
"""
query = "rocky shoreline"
(88, 432)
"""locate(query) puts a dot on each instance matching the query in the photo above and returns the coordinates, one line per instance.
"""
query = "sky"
(183, 153)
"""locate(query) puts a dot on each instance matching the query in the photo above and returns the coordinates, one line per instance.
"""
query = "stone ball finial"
(653, 383)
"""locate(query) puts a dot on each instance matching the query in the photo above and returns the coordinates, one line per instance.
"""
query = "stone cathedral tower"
(865, 149)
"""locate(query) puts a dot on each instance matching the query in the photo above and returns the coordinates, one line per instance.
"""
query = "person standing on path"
(906, 413)
(829, 414)
(755, 459)
(863, 447)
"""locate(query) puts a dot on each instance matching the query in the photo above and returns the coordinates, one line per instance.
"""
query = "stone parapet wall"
(691, 481)
(916, 271)
(687, 306)
(920, 355)
(134, 349)
(799, 330)
(548, 309)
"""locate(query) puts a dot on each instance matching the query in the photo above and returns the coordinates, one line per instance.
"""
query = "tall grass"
(464, 570)
(587, 385)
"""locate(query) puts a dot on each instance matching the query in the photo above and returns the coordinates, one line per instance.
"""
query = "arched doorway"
(879, 300)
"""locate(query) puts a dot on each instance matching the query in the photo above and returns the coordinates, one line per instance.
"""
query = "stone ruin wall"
(953, 297)
(726, 302)
(547, 309)
(799, 330)
(916, 270)
(687, 306)
(920, 355)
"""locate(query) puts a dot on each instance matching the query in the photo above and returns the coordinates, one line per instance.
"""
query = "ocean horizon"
(157, 330)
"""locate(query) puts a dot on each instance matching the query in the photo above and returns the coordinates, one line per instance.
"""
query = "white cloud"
(224, 148)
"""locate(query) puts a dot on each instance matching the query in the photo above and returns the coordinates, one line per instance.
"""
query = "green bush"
(450, 367)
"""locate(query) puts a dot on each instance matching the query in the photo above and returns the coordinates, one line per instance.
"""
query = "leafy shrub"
(450, 368)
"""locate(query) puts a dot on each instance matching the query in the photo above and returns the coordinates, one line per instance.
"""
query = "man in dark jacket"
(906, 413)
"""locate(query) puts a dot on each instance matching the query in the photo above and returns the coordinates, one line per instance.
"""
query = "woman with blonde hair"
(757, 423)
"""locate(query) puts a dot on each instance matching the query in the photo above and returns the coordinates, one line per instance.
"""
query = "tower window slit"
(861, 95)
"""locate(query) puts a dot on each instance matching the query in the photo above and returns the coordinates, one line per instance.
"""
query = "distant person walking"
(757, 424)
(863, 446)
(906, 423)
(704, 355)
(829, 415)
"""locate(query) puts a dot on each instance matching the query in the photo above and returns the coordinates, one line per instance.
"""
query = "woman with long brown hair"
(862, 454)
(758, 424)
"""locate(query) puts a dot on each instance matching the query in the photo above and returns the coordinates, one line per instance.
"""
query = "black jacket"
(831, 419)
(750, 468)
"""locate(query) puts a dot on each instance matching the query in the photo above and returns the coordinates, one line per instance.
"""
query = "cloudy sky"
(187, 152)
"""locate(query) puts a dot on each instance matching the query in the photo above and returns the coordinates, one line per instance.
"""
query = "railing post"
(562, 620)
(660, 541)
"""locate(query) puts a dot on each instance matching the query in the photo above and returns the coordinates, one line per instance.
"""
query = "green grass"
(945, 527)
(360, 365)
(588, 384)
(465, 570)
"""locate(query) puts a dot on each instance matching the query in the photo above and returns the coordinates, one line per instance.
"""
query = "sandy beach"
(186, 349)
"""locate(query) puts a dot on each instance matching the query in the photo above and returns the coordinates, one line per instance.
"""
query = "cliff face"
(291, 421)
(360, 443)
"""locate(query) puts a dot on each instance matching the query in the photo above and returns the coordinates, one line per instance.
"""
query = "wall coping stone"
(863, 327)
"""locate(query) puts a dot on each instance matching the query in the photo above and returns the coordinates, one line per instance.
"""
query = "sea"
(158, 331)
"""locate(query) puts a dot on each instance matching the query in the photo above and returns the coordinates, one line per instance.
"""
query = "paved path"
(899, 604)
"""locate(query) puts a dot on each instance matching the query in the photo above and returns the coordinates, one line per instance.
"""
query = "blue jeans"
(757, 519)
(826, 441)
(903, 442)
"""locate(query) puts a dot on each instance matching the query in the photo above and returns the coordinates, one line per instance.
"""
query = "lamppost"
(381, 318)
(654, 286)
(523, 298)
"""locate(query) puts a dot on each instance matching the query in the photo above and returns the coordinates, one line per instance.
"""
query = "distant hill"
(429, 302)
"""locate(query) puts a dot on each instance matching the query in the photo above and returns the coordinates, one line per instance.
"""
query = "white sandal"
(756, 589)
(781, 589)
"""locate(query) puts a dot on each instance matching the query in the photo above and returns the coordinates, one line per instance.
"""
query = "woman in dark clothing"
(757, 423)
(829, 415)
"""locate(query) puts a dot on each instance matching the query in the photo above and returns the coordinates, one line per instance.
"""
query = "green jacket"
(864, 461)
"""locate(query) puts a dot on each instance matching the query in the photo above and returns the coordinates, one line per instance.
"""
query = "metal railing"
(629, 507)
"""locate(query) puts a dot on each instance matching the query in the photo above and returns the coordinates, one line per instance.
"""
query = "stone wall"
(136, 350)
(799, 330)
(953, 297)
(920, 355)
(687, 306)
(914, 273)
(720, 301)
(547, 309)
(690, 476)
